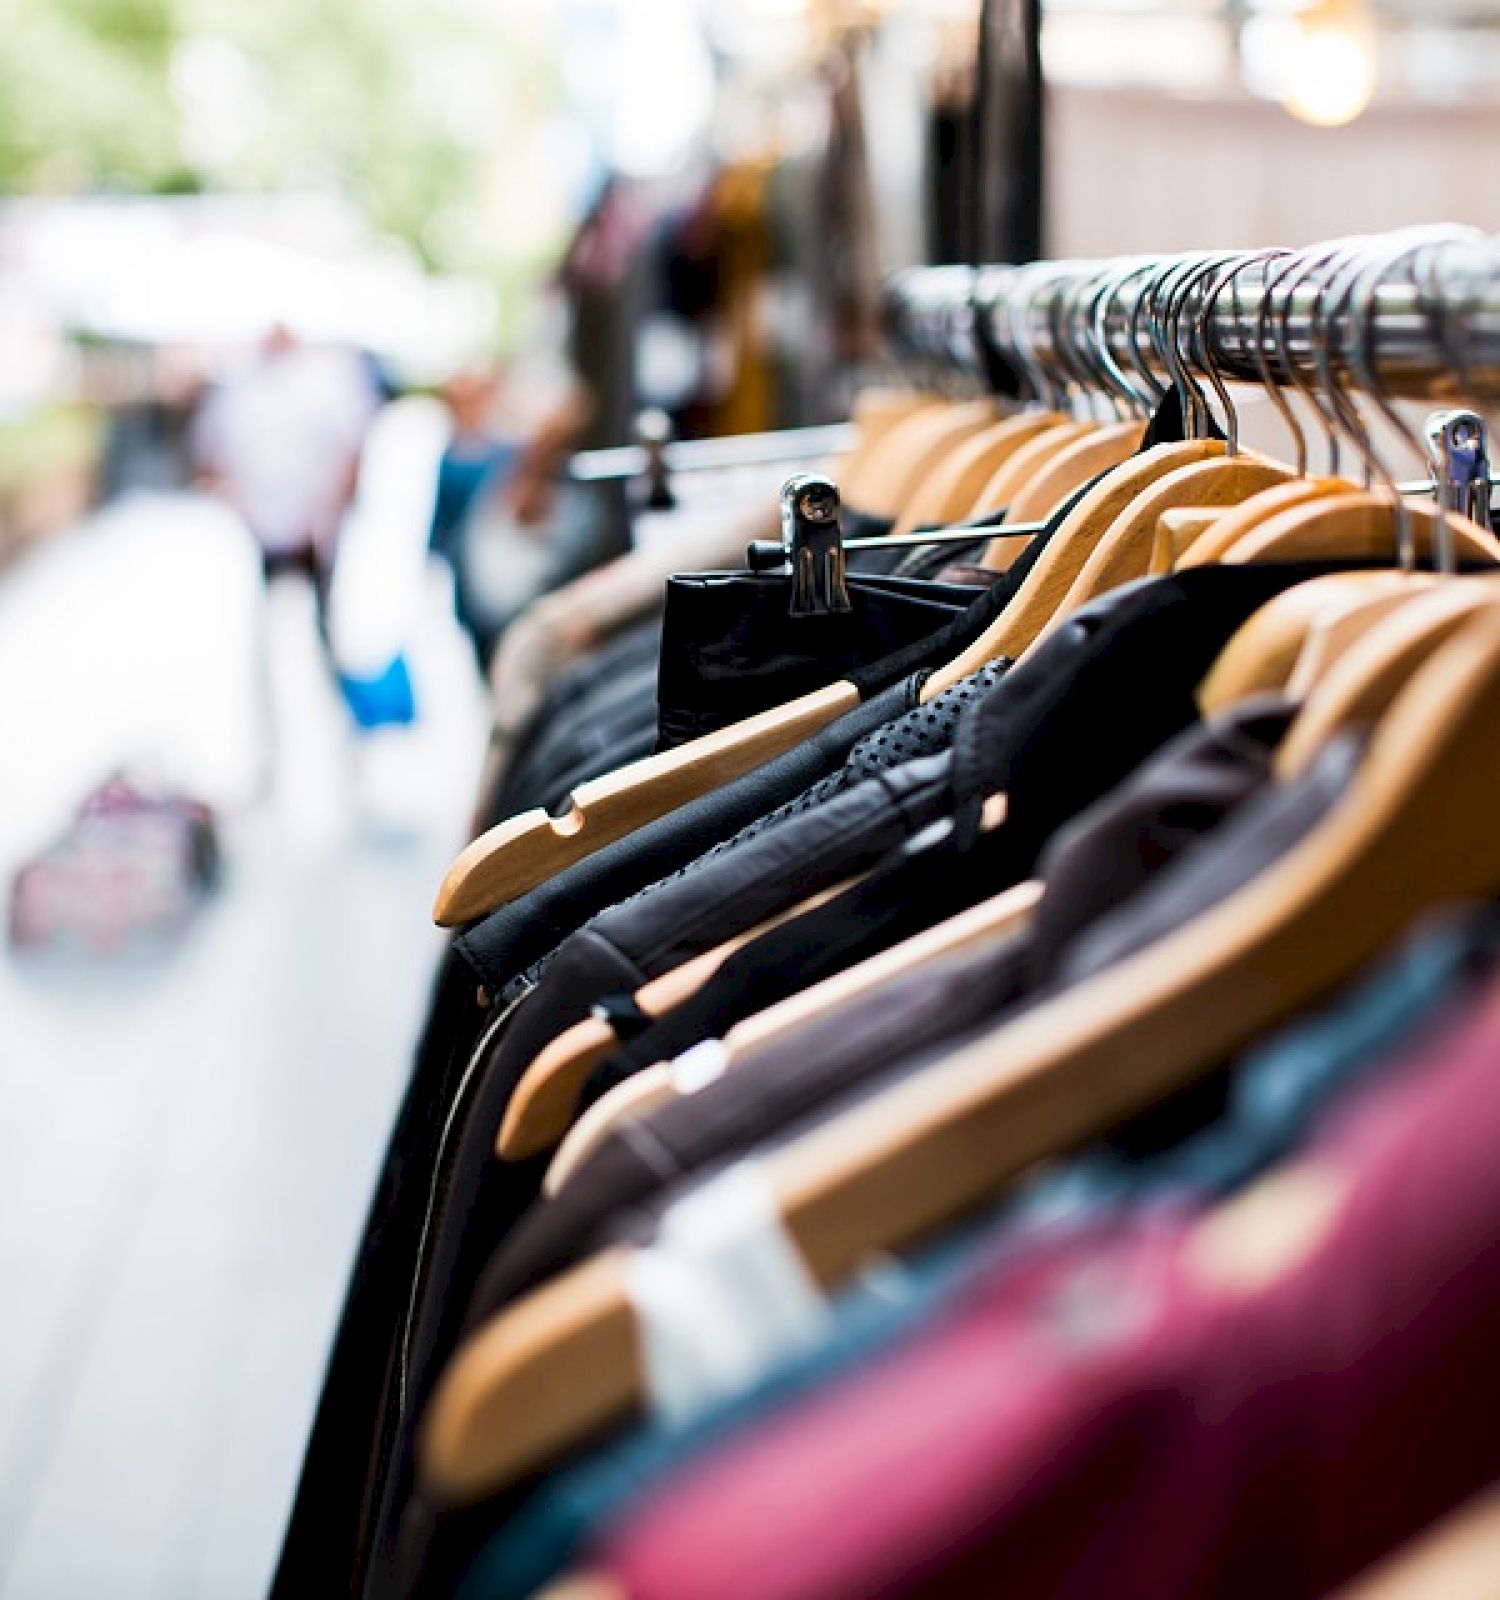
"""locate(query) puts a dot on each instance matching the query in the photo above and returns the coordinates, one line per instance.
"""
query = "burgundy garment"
(1255, 1402)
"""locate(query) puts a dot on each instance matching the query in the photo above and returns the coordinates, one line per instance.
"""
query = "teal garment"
(1206, 1142)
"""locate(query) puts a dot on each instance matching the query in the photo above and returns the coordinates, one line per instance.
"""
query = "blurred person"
(280, 442)
(493, 512)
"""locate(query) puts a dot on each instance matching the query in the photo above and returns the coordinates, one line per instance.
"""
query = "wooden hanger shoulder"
(1262, 655)
(914, 450)
(637, 1097)
(1361, 525)
(1211, 543)
(1337, 630)
(1361, 685)
(881, 420)
(1124, 553)
(1059, 564)
(1013, 474)
(992, 919)
(1176, 531)
(1012, 478)
(584, 1586)
(545, 1100)
(527, 850)
(949, 493)
(1086, 457)
(566, 1361)
(875, 414)
(584, 1316)
(1455, 1559)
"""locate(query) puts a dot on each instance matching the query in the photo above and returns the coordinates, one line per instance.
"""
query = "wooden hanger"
(1175, 532)
(913, 450)
(1458, 1558)
(995, 918)
(629, 1101)
(1416, 829)
(1233, 524)
(528, 849)
(545, 1100)
(1124, 553)
(1262, 655)
(950, 491)
(1362, 684)
(600, 1586)
(875, 414)
(1013, 476)
(1337, 630)
(1014, 473)
(1095, 452)
(1355, 525)
(524, 851)
(927, 1150)
(1059, 564)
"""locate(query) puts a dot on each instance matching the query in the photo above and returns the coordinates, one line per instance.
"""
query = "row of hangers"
(921, 459)
(1411, 657)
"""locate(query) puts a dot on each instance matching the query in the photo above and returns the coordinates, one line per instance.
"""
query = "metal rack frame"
(1415, 313)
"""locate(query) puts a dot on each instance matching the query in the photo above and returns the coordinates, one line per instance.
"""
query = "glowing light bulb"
(1333, 66)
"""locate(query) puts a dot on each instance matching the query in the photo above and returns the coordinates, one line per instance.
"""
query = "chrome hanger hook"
(1178, 289)
(1258, 342)
(1226, 264)
(1403, 252)
(1155, 301)
(1145, 388)
(1302, 271)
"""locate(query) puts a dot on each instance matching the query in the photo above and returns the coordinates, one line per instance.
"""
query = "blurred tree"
(399, 104)
(85, 94)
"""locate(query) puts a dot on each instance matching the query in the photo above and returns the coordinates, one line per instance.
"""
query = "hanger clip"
(1459, 451)
(1458, 454)
(812, 544)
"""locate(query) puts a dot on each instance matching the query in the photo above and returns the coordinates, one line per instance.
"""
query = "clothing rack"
(1420, 312)
(708, 455)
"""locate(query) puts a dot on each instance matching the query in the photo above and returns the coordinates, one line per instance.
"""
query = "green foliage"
(398, 103)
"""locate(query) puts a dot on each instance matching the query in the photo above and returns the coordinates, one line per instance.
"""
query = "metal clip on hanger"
(812, 544)
(1458, 449)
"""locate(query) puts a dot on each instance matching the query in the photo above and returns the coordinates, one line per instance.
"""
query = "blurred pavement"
(187, 1145)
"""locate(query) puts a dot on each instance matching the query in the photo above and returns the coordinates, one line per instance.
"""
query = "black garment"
(531, 777)
(732, 648)
(736, 888)
(501, 946)
(1104, 690)
(1079, 723)
(331, 1526)
(505, 944)
(905, 1026)
(1097, 862)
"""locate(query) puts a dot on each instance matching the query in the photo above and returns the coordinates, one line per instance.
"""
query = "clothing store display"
(1284, 1385)
(1206, 1144)
(950, 1000)
(1002, 1102)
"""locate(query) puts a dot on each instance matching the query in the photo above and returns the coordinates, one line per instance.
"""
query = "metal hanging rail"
(1420, 312)
(709, 455)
